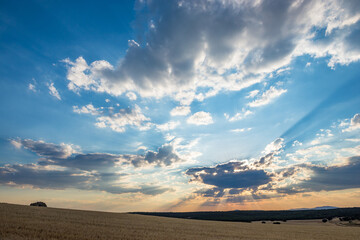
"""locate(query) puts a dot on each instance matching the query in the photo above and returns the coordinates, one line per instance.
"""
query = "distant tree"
(346, 219)
(324, 220)
(38, 204)
(276, 223)
(263, 222)
(330, 218)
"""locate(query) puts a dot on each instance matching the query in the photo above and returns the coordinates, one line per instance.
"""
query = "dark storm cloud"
(230, 175)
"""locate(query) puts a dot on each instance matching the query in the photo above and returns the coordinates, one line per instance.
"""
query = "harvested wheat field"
(25, 222)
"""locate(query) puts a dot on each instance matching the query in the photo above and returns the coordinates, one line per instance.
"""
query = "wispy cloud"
(267, 97)
(239, 116)
(252, 94)
(53, 91)
(32, 87)
(168, 126)
(239, 130)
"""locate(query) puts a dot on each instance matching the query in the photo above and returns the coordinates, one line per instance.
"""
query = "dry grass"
(24, 222)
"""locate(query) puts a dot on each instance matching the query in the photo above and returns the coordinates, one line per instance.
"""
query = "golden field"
(25, 222)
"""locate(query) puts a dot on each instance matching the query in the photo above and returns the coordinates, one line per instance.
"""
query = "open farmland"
(24, 222)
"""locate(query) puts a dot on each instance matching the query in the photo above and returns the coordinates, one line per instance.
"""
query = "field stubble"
(25, 222)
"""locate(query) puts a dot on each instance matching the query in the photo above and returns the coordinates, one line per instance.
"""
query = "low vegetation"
(38, 204)
(24, 222)
(345, 214)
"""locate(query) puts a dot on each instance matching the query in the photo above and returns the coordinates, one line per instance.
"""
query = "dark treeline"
(248, 216)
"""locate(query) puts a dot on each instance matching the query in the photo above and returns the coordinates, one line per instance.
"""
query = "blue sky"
(177, 105)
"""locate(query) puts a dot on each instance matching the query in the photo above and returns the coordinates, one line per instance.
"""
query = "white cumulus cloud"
(353, 124)
(195, 49)
(200, 118)
(180, 111)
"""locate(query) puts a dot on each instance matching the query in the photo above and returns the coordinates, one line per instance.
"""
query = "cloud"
(353, 125)
(252, 94)
(44, 178)
(48, 150)
(88, 109)
(67, 155)
(32, 87)
(132, 96)
(165, 156)
(324, 178)
(180, 111)
(238, 130)
(239, 174)
(230, 175)
(88, 162)
(333, 178)
(53, 91)
(31, 174)
(61, 166)
(306, 169)
(117, 120)
(168, 126)
(297, 143)
(193, 50)
(238, 116)
(212, 192)
(200, 118)
(274, 146)
(248, 198)
(267, 97)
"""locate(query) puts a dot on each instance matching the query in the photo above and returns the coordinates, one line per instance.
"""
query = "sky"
(180, 105)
